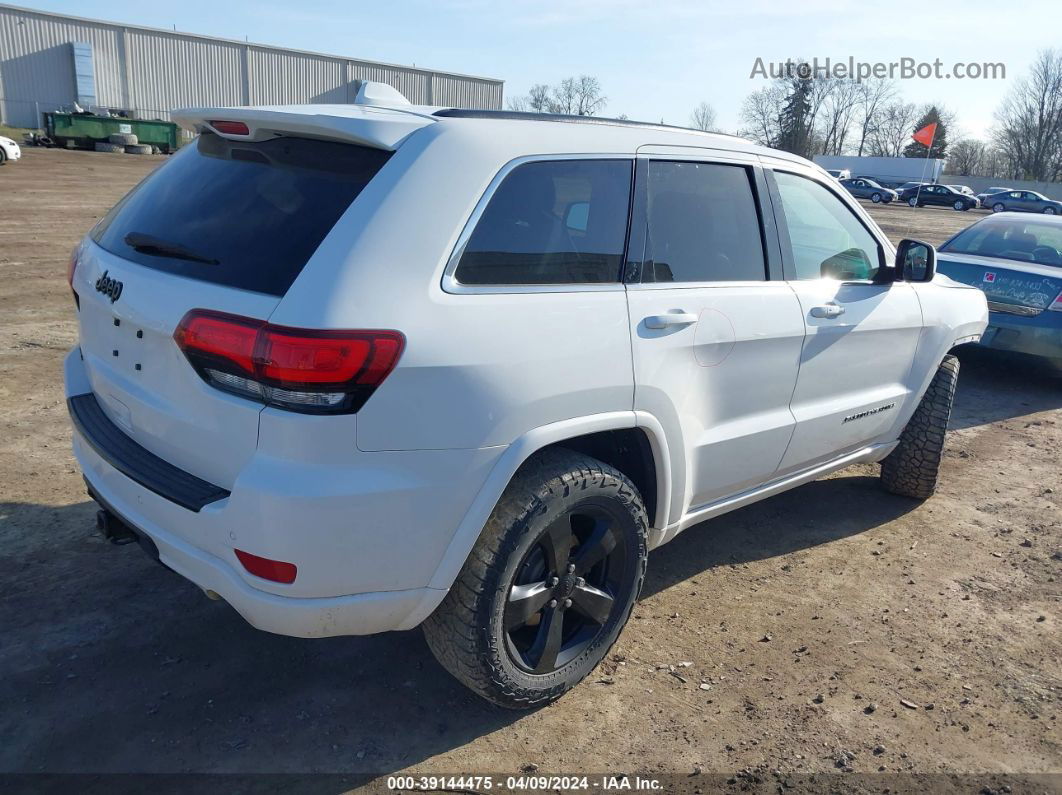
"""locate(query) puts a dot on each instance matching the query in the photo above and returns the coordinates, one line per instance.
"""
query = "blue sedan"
(1017, 261)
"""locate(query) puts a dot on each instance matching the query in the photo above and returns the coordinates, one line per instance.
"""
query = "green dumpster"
(83, 130)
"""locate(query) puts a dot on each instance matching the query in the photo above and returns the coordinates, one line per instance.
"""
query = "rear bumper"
(1040, 335)
(367, 531)
(359, 614)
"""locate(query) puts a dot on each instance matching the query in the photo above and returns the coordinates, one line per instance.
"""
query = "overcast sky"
(656, 59)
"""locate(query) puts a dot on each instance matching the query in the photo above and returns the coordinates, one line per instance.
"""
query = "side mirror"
(916, 261)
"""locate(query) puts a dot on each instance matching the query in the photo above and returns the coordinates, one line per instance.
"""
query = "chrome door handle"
(827, 311)
(670, 319)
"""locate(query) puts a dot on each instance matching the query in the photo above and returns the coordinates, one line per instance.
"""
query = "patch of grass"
(14, 133)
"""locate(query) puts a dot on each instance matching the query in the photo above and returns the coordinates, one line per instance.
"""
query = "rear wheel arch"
(628, 450)
(616, 435)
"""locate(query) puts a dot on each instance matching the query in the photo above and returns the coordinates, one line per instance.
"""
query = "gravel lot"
(831, 629)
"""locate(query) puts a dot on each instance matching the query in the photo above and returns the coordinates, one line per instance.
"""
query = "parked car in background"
(1017, 261)
(906, 185)
(264, 432)
(9, 150)
(937, 196)
(1023, 201)
(839, 173)
(864, 188)
(983, 196)
(964, 189)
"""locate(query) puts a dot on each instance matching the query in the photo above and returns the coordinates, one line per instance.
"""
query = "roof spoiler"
(380, 118)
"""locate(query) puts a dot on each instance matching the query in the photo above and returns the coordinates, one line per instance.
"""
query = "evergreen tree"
(940, 140)
(794, 133)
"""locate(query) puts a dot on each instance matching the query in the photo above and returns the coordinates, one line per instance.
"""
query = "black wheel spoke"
(596, 548)
(543, 653)
(592, 602)
(524, 602)
(556, 542)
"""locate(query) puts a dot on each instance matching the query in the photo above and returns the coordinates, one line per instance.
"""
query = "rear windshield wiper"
(156, 247)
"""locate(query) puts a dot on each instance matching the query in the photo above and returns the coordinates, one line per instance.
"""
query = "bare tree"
(703, 118)
(761, 111)
(577, 96)
(893, 129)
(874, 94)
(1029, 130)
(836, 114)
(965, 157)
(540, 99)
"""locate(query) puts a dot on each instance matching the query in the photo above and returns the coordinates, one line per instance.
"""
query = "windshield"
(238, 213)
(1022, 241)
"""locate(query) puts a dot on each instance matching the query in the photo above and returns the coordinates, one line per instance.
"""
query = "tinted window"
(255, 212)
(827, 239)
(552, 222)
(703, 224)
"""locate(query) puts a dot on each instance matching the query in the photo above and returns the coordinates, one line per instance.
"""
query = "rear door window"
(703, 224)
(241, 214)
(552, 222)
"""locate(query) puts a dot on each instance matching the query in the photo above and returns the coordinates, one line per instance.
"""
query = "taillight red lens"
(230, 127)
(227, 338)
(275, 570)
(292, 356)
(307, 370)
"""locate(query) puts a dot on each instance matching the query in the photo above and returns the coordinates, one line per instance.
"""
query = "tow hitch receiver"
(113, 528)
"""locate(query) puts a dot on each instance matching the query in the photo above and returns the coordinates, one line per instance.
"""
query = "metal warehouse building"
(49, 61)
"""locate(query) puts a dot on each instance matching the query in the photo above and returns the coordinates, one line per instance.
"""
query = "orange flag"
(925, 135)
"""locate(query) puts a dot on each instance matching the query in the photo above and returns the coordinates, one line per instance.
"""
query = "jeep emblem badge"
(109, 287)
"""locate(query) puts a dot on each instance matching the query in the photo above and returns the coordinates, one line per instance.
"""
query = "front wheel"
(875, 197)
(913, 202)
(1050, 211)
(548, 586)
(960, 206)
(911, 469)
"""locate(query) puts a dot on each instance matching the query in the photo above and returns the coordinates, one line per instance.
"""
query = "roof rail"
(462, 113)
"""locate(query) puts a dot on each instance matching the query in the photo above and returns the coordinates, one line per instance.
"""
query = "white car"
(839, 173)
(366, 367)
(9, 150)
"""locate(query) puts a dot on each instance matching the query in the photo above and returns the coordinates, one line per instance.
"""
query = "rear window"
(246, 215)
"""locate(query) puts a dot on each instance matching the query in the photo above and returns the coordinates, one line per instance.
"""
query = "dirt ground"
(835, 629)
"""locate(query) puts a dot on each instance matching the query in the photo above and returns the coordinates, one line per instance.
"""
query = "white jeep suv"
(366, 367)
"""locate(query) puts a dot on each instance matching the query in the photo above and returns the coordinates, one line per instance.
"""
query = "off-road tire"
(138, 149)
(911, 469)
(123, 139)
(112, 148)
(466, 632)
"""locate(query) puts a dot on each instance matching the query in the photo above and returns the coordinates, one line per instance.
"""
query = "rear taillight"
(1056, 305)
(307, 370)
(230, 127)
